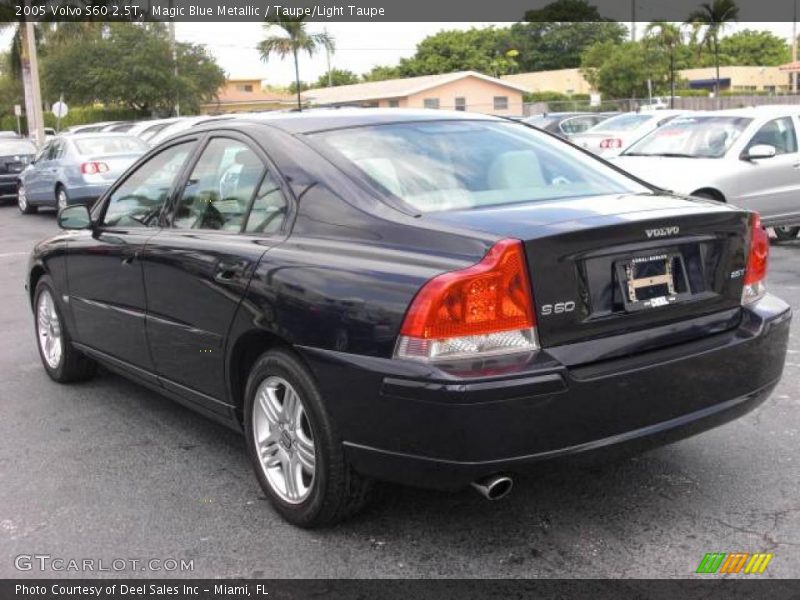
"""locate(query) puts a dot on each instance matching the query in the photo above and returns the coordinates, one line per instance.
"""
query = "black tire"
(784, 234)
(25, 207)
(73, 365)
(337, 491)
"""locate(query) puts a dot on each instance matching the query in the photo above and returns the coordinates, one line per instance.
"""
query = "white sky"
(360, 46)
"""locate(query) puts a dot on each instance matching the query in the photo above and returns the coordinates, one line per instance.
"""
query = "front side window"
(463, 164)
(220, 187)
(778, 133)
(140, 198)
(691, 137)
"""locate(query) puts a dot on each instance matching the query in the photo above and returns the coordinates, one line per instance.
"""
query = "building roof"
(394, 88)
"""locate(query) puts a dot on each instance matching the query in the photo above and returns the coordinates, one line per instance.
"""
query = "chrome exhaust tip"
(493, 487)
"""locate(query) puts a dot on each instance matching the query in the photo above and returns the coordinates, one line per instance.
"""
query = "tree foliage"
(130, 65)
(337, 77)
(293, 38)
(749, 47)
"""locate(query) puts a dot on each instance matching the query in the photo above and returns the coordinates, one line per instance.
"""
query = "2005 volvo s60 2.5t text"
(425, 297)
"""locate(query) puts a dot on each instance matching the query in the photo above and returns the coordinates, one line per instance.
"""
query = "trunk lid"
(605, 266)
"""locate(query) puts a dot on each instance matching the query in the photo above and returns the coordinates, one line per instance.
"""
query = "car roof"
(766, 111)
(312, 120)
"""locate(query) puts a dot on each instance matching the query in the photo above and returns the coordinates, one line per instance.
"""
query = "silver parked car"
(748, 157)
(76, 168)
(610, 137)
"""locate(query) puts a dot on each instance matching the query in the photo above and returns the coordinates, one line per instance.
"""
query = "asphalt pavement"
(107, 470)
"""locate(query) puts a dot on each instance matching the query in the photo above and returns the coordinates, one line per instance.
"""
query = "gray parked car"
(15, 154)
(749, 157)
(76, 168)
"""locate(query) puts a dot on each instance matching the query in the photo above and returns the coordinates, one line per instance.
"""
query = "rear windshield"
(622, 123)
(16, 147)
(112, 144)
(447, 165)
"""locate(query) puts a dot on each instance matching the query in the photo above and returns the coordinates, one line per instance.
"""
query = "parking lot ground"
(107, 470)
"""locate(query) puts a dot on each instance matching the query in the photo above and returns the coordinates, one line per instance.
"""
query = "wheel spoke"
(305, 453)
(290, 476)
(290, 404)
(268, 407)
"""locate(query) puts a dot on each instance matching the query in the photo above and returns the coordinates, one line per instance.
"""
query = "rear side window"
(448, 165)
(220, 187)
(269, 207)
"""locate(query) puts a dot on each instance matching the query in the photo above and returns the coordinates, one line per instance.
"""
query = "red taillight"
(484, 309)
(757, 259)
(611, 143)
(93, 168)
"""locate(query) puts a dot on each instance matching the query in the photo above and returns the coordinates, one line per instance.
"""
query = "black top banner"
(383, 10)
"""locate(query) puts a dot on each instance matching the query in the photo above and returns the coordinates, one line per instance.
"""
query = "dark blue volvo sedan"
(438, 299)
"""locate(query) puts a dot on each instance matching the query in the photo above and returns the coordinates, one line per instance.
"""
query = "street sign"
(17, 110)
(60, 110)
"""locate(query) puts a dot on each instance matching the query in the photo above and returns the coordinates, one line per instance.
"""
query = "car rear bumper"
(421, 425)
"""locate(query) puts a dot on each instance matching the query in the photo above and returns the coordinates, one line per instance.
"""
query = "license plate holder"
(652, 281)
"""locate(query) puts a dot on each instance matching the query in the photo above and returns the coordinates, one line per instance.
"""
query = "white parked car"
(748, 157)
(614, 135)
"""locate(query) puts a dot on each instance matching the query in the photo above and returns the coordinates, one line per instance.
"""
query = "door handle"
(230, 271)
(796, 165)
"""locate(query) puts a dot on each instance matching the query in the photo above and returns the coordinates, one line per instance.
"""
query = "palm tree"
(666, 36)
(714, 16)
(295, 39)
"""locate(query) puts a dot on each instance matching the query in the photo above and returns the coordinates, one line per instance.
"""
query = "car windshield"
(111, 144)
(447, 165)
(8, 147)
(691, 137)
(627, 122)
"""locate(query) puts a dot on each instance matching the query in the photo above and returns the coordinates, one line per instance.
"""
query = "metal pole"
(174, 48)
(633, 20)
(58, 116)
(30, 77)
(328, 57)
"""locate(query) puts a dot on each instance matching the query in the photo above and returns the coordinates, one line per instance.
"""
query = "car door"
(46, 191)
(197, 269)
(32, 178)
(105, 278)
(771, 186)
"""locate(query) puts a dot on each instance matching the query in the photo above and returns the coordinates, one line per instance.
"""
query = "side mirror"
(75, 217)
(760, 151)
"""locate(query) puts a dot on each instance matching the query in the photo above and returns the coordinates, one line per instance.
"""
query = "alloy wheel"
(284, 440)
(48, 327)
